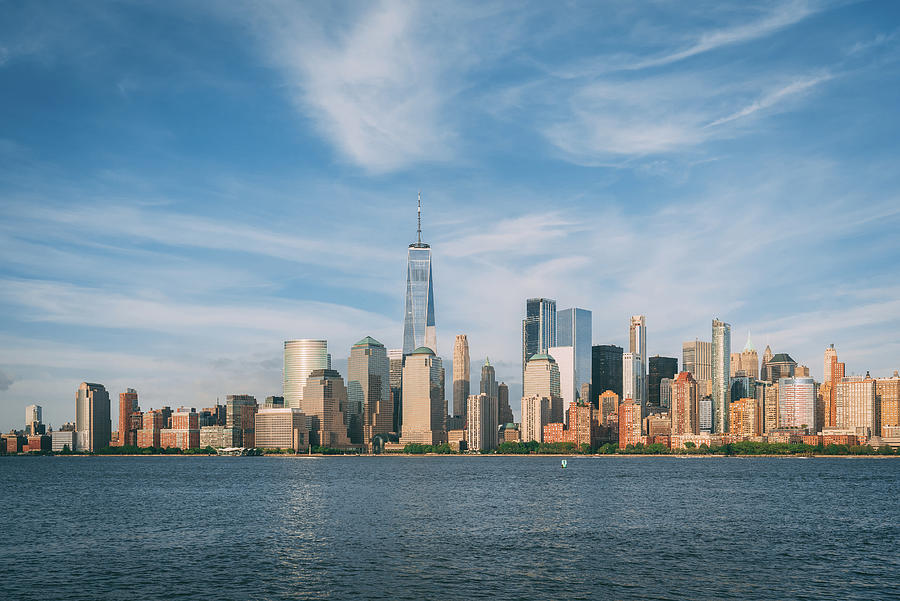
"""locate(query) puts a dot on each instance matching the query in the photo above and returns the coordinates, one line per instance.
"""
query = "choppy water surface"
(449, 528)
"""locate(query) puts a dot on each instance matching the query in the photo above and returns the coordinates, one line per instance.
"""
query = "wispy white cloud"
(772, 98)
(374, 88)
(782, 16)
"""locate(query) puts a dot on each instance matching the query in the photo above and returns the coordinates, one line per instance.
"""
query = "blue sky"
(185, 185)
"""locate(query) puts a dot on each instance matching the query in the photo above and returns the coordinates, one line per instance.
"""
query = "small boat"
(563, 464)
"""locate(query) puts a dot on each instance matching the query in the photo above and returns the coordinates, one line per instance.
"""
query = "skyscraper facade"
(606, 370)
(685, 405)
(658, 369)
(370, 405)
(395, 360)
(696, 357)
(240, 420)
(93, 427)
(488, 379)
(504, 411)
(538, 328)
(573, 328)
(746, 417)
(887, 404)
(301, 358)
(418, 325)
(797, 403)
(855, 405)
(565, 362)
(637, 339)
(129, 417)
(324, 403)
(481, 420)
(631, 376)
(423, 402)
(721, 368)
(461, 375)
(780, 366)
(542, 380)
(764, 365)
(535, 415)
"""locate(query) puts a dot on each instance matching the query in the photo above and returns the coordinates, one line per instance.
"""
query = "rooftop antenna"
(419, 230)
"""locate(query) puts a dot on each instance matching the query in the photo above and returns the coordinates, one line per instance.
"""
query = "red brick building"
(629, 424)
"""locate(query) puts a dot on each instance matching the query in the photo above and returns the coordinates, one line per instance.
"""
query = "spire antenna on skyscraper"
(419, 229)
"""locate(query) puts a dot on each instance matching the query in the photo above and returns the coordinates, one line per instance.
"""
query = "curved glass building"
(301, 357)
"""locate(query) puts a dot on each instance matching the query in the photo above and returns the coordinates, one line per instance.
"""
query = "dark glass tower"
(606, 370)
(538, 328)
(659, 368)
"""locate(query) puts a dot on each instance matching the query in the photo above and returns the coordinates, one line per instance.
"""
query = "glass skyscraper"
(721, 368)
(606, 370)
(418, 325)
(538, 328)
(573, 328)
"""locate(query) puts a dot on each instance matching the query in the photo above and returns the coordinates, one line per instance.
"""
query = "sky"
(185, 185)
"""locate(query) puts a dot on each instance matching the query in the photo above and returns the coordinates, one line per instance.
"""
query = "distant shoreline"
(535, 455)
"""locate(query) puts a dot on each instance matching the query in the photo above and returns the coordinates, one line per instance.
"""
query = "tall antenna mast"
(419, 231)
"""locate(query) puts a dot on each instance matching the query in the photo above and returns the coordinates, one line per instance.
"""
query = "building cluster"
(572, 391)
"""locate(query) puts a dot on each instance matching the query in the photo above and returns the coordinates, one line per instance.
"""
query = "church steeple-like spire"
(749, 346)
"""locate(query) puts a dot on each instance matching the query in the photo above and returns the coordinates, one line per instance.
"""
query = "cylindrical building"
(301, 357)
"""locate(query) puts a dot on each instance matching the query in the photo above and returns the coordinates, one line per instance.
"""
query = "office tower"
(629, 423)
(746, 362)
(665, 392)
(801, 371)
(606, 370)
(34, 424)
(631, 377)
(685, 407)
(130, 419)
(770, 406)
(482, 416)
(741, 387)
(395, 360)
(833, 373)
(608, 404)
(538, 328)
(542, 380)
(721, 364)
(746, 417)
(272, 402)
(887, 404)
(423, 403)
(705, 419)
(581, 423)
(797, 403)
(418, 325)
(764, 366)
(659, 368)
(565, 362)
(461, 376)
(573, 328)
(504, 411)
(240, 412)
(780, 366)
(370, 406)
(488, 379)
(535, 415)
(855, 405)
(324, 403)
(301, 357)
(637, 337)
(281, 428)
(696, 357)
(92, 423)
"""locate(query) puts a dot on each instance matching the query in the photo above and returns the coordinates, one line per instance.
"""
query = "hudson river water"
(449, 528)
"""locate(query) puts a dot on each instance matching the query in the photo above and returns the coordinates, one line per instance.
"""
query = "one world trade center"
(418, 325)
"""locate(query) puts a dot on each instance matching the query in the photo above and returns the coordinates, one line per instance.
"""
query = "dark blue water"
(449, 528)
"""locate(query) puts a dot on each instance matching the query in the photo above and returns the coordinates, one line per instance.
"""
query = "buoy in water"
(563, 463)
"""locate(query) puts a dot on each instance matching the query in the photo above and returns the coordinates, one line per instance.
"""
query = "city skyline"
(156, 254)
